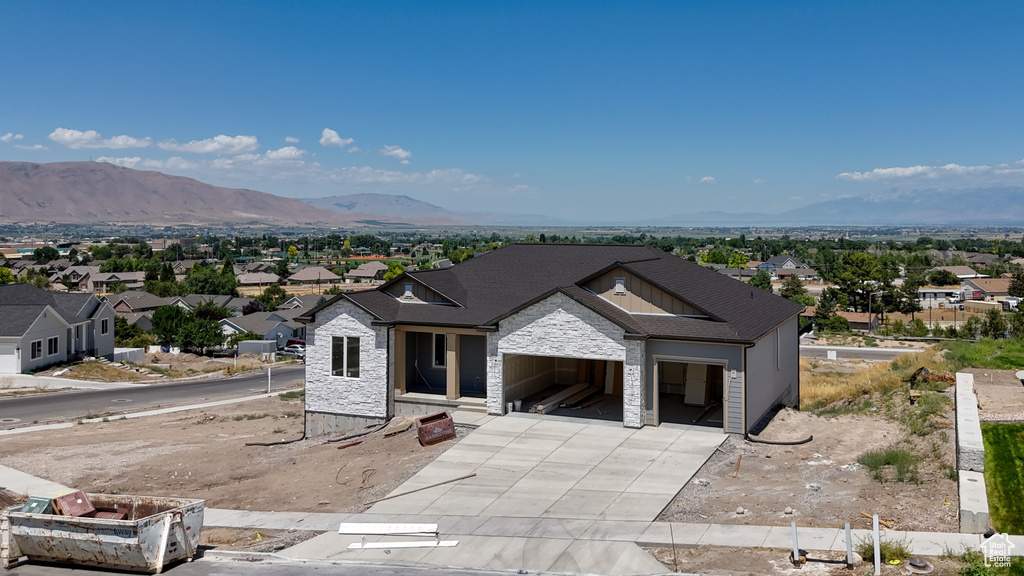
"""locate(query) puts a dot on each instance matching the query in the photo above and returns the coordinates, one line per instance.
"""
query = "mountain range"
(98, 192)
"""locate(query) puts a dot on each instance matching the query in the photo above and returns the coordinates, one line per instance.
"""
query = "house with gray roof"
(278, 325)
(314, 275)
(41, 328)
(654, 338)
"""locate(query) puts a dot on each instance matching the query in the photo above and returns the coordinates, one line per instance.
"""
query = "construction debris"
(555, 401)
(435, 428)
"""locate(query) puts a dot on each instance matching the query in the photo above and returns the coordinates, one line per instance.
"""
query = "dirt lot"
(1000, 394)
(761, 561)
(821, 480)
(864, 340)
(202, 454)
(158, 366)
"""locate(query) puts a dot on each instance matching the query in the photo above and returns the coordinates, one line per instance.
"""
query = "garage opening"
(573, 387)
(691, 393)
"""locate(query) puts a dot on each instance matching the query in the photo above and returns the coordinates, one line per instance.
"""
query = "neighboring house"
(143, 320)
(990, 288)
(134, 301)
(665, 339)
(961, 272)
(102, 282)
(367, 272)
(41, 328)
(235, 304)
(785, 265)
(861, 321)
(981, 259)
(259, 279)
(314, 275)
(305, 301)
(75, 277)
(743, 274)
(278, 325)
(183, 266)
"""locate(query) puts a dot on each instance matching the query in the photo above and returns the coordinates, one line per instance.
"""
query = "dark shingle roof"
(21, 304)
(493, 285)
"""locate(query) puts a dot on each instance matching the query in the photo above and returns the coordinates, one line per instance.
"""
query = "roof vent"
(620, 285)
(408, 292)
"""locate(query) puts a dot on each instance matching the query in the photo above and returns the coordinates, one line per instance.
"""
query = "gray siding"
(104, 343)
(731, 355)
(46, 326)
(773, 371)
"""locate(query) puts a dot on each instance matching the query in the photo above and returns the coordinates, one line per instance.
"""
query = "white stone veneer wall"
(634, 404)
(558, 327)
(364, 396)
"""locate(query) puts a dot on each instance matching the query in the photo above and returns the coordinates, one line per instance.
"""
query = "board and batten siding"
(641, 297)
(420, 293)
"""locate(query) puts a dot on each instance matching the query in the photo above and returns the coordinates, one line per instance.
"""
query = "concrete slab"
(560, 528)
(472, 551)
(608, 530)
(974, 518)
(528, 554)
(29, 485)
(809, 538)
(462, 502)
(578, 503)
(636, 506)
(615, 558)
(505, 526)
(458, 525)
(734, 535)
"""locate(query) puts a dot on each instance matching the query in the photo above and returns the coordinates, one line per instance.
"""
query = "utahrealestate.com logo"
(997, 550)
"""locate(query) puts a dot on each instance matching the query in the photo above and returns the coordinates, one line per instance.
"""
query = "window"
(37, 349)
(408, 291)
(345, 356)
(104, 325)
(51, 346)
(440, 350)
(620, 285)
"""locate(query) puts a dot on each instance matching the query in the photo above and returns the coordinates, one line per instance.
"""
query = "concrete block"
(973, 503)
(970, 447)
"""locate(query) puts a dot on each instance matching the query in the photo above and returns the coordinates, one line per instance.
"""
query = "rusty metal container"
(155, 532)
(73, 504)
(435, 428)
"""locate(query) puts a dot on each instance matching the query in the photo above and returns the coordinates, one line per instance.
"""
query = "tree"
(281, 268)
(242, 337)
(826, 307)
(125, 332)
(45, 254)
(857, 276)
(293, 252)
(1017, 284)
(395, 270)
(203, 280)
(737, 260)
(1017, 325)
(995, 325)
(272, 297)
(199, 333)
(6, 276)
(167, 273)
(943, 277)
(838, 324)
(167, 323)
(792, 286)
(762, 279)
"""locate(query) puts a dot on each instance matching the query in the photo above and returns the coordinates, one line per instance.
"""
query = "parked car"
(296, 351)
(294, 341)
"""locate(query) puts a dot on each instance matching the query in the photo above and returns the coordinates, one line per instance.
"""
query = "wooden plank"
(388, 545)
(577, 398)
(386, 529)
(551, 403)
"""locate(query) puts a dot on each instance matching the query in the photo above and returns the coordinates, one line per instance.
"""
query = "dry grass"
(820, 387)
(101, 372)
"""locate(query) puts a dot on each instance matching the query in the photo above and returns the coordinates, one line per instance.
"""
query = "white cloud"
(758, 181)
(32, 147)
(291, 139)
(354, 149)
(945, 175)
(396, 152)
(286, 153)
(220, 144)
(330, 138)
(77, 139)
(707, 180)
(172, 163)
(11, 136)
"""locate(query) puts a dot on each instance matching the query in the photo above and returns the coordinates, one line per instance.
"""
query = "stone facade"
(365, 397)
(555, 327)
(634, 378)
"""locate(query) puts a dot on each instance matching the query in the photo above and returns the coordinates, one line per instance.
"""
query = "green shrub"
(892, 464)
(889, 549)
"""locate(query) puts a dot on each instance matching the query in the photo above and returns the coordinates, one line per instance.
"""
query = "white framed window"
(345, 356)
(620, 285)
(36, 349)
(104, 326)
(440, 350)
(51, 345)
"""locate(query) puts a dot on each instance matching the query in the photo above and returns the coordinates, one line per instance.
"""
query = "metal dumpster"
(156, 532)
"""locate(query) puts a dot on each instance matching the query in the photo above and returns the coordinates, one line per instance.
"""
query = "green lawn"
(1011, 354)
(1004, 475)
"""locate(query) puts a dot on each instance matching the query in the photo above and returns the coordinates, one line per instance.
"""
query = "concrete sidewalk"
(50, 383)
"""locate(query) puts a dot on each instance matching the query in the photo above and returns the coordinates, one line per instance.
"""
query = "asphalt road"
(851, 353)
(72, 405)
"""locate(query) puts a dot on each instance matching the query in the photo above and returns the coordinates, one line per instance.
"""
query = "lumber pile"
(552, 402)
(579, 397)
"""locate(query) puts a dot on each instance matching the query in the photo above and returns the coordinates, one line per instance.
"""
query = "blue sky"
(590, 110)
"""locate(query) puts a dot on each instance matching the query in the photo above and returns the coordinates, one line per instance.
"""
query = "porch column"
(398, 360)
(634, 385)
(452, 365)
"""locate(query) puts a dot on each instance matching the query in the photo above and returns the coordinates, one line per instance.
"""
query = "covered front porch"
(440, 362)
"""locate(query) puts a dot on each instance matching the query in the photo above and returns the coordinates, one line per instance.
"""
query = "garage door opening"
(691, 393)
(571, 387)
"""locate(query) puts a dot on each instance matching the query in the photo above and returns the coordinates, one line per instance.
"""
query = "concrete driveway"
(530, 466)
